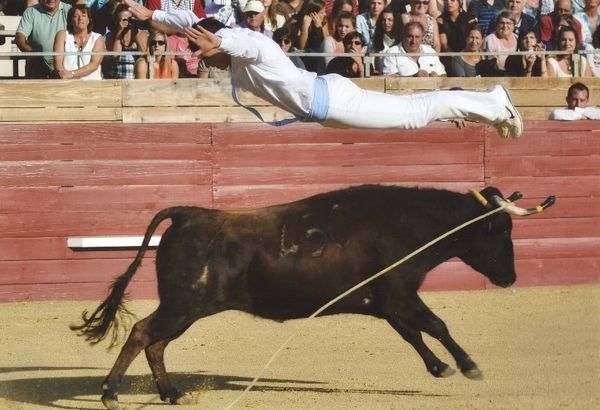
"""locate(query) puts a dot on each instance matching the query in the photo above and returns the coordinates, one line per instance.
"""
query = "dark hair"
(569, 29)
(310, 6)
(596, 39)
(71, 13)
(209, 24)
(351, 36)
(377, 41)
(578, 86)
(522, 35)
(281, 33)
(411, 24)
(337, 7)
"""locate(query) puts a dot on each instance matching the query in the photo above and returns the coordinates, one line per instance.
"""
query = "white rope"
(358, 286)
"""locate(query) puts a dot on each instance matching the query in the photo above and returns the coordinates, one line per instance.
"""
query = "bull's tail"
(111, 312)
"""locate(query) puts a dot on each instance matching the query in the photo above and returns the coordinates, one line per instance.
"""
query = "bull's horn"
(515, 210)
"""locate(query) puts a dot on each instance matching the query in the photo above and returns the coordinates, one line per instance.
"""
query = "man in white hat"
(253, 18)
(259, 65)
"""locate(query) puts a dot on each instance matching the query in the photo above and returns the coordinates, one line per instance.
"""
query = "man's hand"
(137, 10)
(203, 39)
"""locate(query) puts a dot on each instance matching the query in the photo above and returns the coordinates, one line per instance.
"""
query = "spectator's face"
(347, 7)
(343, 27)
(123, 18)
(388, 22)
(567, 41)
(529, 41)
(452, 6)
(80, 21)
(376, 7)
(591, 3)
(412, 39)
(563, 7)
(285, 43)
(158, 45)
(577, 98)
(516, 6)
(353, 46)
(419, 6)
(474, 41)
(216, 58)
(505, 28)
(50, 5)
(254, 20)
(267, 3)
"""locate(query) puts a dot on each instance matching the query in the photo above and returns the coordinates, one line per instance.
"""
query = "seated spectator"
(562, 65)
(165, 67)
(531, 64)
(102, 14)
(388, 32)
(589, 19)
(577, 106)
(253, 18)
(36, 31)
(485, 11)
(566, 20)
(188, 63)
(419, 13)
(523, 22)
(309, 29)
(351, 67)
(503, 39)
(365, 22)
(549, 23)
(453, 23)
(594, 58)
(282, 37)
(79, 37)
(292, 7)
(194, 6)
(465, 65)
(334, 8)
(346, 23)
(127, 37)
(274, 15)
(416, 66)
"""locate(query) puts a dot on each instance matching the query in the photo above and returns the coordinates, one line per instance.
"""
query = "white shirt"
(565, 114)
(405, 66)
(257, 64)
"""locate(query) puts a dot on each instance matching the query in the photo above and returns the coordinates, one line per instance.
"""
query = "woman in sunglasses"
(164, 66)
(283, 38)
(259, 66)
(350, 67)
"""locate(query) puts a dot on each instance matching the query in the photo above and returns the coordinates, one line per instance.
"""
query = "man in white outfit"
(577, 106)
(259, 66)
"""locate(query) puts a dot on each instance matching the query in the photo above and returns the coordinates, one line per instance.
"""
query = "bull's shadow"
(48, 391)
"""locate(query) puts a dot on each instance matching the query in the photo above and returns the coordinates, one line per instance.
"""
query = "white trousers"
(352, 107)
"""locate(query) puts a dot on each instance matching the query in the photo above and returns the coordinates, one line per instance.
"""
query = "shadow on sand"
(46, 390)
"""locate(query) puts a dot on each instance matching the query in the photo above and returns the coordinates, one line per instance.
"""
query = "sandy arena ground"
(539, 348)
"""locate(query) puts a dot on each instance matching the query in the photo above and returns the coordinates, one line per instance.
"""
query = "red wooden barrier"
(67, 180)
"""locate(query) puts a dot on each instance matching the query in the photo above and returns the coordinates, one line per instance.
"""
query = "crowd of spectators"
(428, 27)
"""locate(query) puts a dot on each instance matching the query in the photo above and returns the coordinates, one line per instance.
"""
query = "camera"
(133, 22)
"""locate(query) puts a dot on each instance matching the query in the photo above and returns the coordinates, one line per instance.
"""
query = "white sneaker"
(512, 123)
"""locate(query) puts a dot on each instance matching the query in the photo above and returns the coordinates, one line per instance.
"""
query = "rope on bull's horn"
(356, 287)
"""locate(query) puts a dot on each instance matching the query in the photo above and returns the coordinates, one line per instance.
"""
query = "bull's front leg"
(415, 315)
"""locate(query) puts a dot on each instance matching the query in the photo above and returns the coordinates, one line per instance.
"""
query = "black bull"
(286, 261)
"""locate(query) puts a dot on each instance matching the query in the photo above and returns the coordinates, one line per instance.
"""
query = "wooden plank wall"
(209, 101)
(60, 180)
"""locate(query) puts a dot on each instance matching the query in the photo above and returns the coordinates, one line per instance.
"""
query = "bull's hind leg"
(414, 314)
(159, 326)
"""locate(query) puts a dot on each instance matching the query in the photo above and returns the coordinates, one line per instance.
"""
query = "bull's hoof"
(175, 396)
(442, 370)
(110, 400)
(473, 374)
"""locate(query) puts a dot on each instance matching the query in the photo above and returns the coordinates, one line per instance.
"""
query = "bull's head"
(490, 247)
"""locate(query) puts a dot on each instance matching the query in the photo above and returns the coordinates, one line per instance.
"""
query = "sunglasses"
(158, 43)
(285, 41)
(355, 43)
(424, 3)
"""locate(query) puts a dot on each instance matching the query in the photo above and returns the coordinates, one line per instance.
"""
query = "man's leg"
(350, 106)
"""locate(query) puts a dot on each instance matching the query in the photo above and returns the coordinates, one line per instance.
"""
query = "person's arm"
(564, 114)
(174, 68)
(591, 113)
(141, 68)
(23, 32)
(175, 20)
(436, 38)
(141, 39)
(59, 47)
(94, 63)
(304, 29)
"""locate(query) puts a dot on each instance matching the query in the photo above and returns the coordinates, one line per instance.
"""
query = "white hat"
(253, 6)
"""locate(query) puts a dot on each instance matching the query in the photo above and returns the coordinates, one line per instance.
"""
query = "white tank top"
(74, 62)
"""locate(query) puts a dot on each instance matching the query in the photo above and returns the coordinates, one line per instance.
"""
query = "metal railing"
(369, 58)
